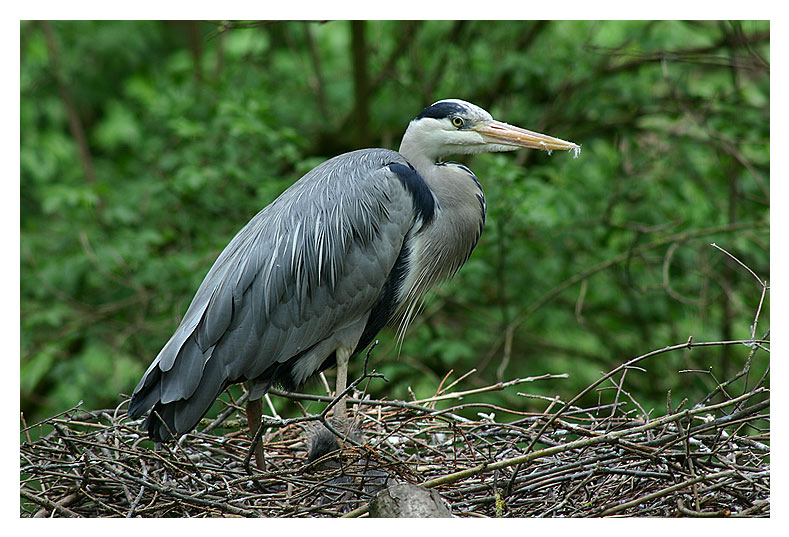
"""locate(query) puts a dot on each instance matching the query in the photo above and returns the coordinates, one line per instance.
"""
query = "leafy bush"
(146, 145)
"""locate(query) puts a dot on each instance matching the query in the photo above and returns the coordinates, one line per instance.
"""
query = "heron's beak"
(496, 132)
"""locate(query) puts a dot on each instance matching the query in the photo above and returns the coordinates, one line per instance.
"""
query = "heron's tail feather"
(170, 418)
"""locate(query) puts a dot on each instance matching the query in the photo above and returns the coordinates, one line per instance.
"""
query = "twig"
(743, 265)
(47, 420)
(48, 504)
(492, 388)
(664, 492)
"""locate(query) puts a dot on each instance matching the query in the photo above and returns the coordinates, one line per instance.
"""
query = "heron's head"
(452, 126)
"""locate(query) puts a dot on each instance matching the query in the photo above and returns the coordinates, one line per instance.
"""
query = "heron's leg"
(340, 411)
(254, 414)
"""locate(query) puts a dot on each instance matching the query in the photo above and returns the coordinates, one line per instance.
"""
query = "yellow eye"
(457, 121)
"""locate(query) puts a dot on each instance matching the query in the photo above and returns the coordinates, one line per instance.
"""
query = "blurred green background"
(145, 146)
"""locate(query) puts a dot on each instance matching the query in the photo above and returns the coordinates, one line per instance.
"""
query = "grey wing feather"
(306, 267)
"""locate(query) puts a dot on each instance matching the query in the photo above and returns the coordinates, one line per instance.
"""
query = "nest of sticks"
(708, 458)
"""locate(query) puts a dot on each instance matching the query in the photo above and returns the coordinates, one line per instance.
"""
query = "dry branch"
(707, 459)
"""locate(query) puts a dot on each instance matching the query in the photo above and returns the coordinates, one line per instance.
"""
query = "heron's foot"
(346, 429)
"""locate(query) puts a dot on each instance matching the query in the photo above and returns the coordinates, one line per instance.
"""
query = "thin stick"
(492, 388)
(743, 265)
(664, 492)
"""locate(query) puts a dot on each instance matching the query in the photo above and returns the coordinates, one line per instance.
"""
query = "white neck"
(421, 155)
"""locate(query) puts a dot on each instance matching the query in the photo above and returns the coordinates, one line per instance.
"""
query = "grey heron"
(312, 278)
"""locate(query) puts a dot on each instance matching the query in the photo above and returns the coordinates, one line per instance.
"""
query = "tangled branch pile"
(711, 459)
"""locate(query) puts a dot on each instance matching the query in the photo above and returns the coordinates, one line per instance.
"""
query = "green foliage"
(188, 130)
